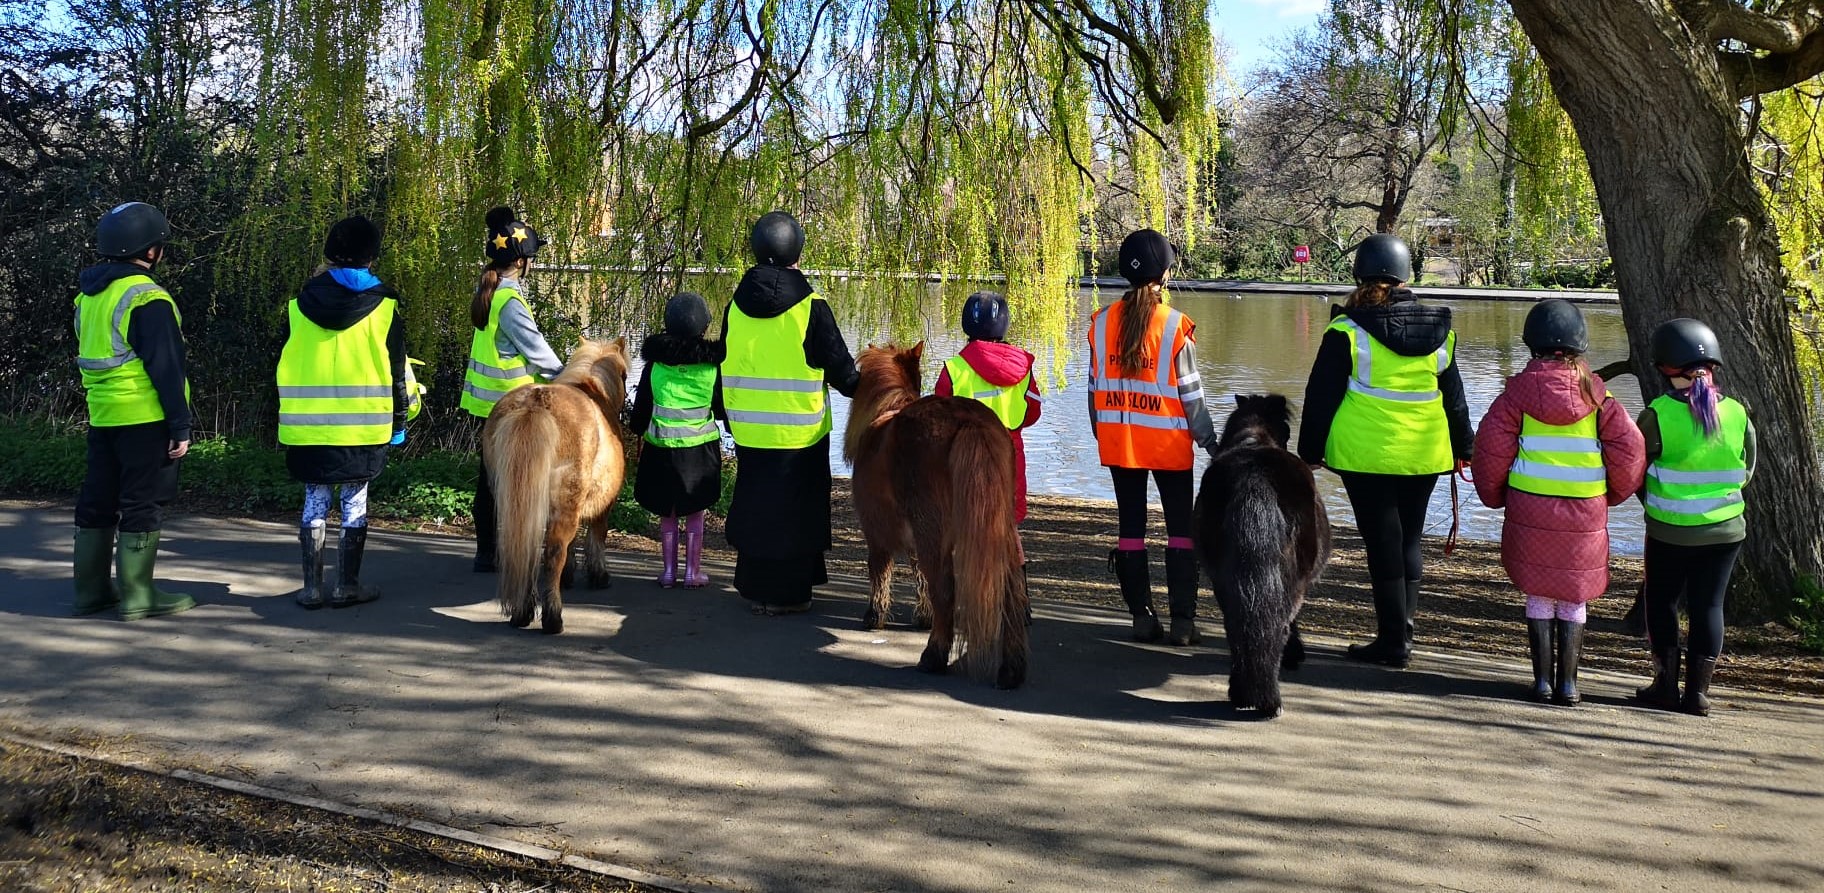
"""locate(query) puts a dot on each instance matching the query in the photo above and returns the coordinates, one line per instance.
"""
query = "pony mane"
(600, 369)
(889, 382)
(1264, 419)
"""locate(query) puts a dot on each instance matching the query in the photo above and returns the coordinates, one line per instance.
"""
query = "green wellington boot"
(138, 597)
(95, 591)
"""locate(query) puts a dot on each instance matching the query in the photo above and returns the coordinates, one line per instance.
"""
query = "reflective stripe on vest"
(1559, 460)
(681, 397)
(1007, 402)
(1139, 419)
(117, 388)
(336, 385)
(773, 397)
(1391, 420)
(492, 375)
(1698, 480)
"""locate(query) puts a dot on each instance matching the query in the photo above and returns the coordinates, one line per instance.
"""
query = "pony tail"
(1704, 396)
(1130, 353)
(484, 297)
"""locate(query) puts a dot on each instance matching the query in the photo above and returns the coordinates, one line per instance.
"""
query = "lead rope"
(1456, 511)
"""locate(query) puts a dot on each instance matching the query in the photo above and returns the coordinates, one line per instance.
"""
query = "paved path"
(676, 733)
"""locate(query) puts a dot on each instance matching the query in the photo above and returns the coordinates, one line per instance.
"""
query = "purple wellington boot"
(694, 577)
(668, 551)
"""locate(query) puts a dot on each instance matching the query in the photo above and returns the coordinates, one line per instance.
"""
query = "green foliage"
(40, 459)
(1808, 613)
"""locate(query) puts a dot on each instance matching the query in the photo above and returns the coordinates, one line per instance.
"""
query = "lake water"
(1265, 343)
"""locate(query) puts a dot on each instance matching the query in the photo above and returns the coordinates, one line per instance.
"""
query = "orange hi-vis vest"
(1139, 413)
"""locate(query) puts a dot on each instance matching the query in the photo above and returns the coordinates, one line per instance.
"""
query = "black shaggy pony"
(1264, 538)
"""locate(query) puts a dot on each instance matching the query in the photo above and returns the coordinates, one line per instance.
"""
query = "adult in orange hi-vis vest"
(1146, 405)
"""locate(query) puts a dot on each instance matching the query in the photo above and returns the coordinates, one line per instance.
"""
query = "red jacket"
(1555, 546)
(1003, 364)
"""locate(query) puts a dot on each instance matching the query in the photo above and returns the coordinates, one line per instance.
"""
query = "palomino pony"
(1264, 537)
(934, 479)
(556, 459)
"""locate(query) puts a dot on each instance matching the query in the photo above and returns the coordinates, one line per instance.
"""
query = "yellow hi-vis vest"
(681, 398)
(336, 387)
(114, 378)
(1698, 480)
(1559, 460)
(1392, 417)
(774, 399)
(491, 374)
(1007, 401)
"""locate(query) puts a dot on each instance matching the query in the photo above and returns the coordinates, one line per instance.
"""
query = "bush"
(40, 459)
(1808, 614)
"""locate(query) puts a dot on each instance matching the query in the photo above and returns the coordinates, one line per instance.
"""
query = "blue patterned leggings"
(354, 504)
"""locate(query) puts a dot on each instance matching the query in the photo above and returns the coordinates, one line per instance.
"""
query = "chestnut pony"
(556, 459)
(934, 479)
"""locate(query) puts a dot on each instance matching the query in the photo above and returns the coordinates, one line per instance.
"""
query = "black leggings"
(1130, 501)
(1390, 513)
(1702, 574)
(483, 512)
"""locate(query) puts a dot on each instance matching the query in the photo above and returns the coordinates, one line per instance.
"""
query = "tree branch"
(1774, 32)
(1752, 75)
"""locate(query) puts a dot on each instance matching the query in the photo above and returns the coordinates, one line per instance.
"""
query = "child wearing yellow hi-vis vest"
(1556, 451)
(680, 469)
(344, 399)
(999, 375)
(1700, 455)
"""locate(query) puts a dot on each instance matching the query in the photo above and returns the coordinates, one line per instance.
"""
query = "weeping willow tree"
(1549, 201)
(1789, 157)
(642, 137)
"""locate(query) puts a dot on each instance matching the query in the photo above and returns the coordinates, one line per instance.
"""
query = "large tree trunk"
(1691, 236)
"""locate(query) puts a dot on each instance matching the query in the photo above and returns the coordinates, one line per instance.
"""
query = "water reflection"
(1250, 344)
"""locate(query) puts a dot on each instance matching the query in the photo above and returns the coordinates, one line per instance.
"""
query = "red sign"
(1301, 254)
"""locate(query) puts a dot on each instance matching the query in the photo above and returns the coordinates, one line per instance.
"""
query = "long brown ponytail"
(1136, 316)
(1586, 383)
(484, 293)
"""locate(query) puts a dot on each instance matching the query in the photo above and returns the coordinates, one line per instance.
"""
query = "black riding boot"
(1131, 570)
(1634, 623)
(349, 590)
(1412, 612)
(310, 543)
(1570, 654)
(485, 523)
(1697, 685)
(1663, 693)
(1539, 642)
(1181, 585)
(1389, 646)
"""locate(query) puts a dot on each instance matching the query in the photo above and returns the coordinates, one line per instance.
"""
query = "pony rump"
(556, 460)
(934, 478)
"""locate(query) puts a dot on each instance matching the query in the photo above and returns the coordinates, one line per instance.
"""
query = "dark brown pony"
(556, 459)
(1264, 538)
(934, 479)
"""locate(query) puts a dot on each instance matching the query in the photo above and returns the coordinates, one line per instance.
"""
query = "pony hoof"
(602, 581)
(936, 666)
(1010, 678)
(873, 620)
(550, 626)
(519, 622)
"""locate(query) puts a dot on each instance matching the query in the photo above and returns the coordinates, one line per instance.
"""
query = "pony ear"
(918, 350)
(1241, 399)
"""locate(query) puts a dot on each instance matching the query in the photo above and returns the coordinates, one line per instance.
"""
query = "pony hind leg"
(557, 561)
(595, 554)
(921, 606)
(942, 583)
(1294, 656)
(880, 591)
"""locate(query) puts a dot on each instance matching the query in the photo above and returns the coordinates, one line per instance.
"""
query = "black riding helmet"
(1556, 327)
(1683, 343)
(1383, 257)
(985, 316)
(510, 238)
(352, 242)
(129, 229)
(686, 315)
(1146, 256)
(777, 239)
